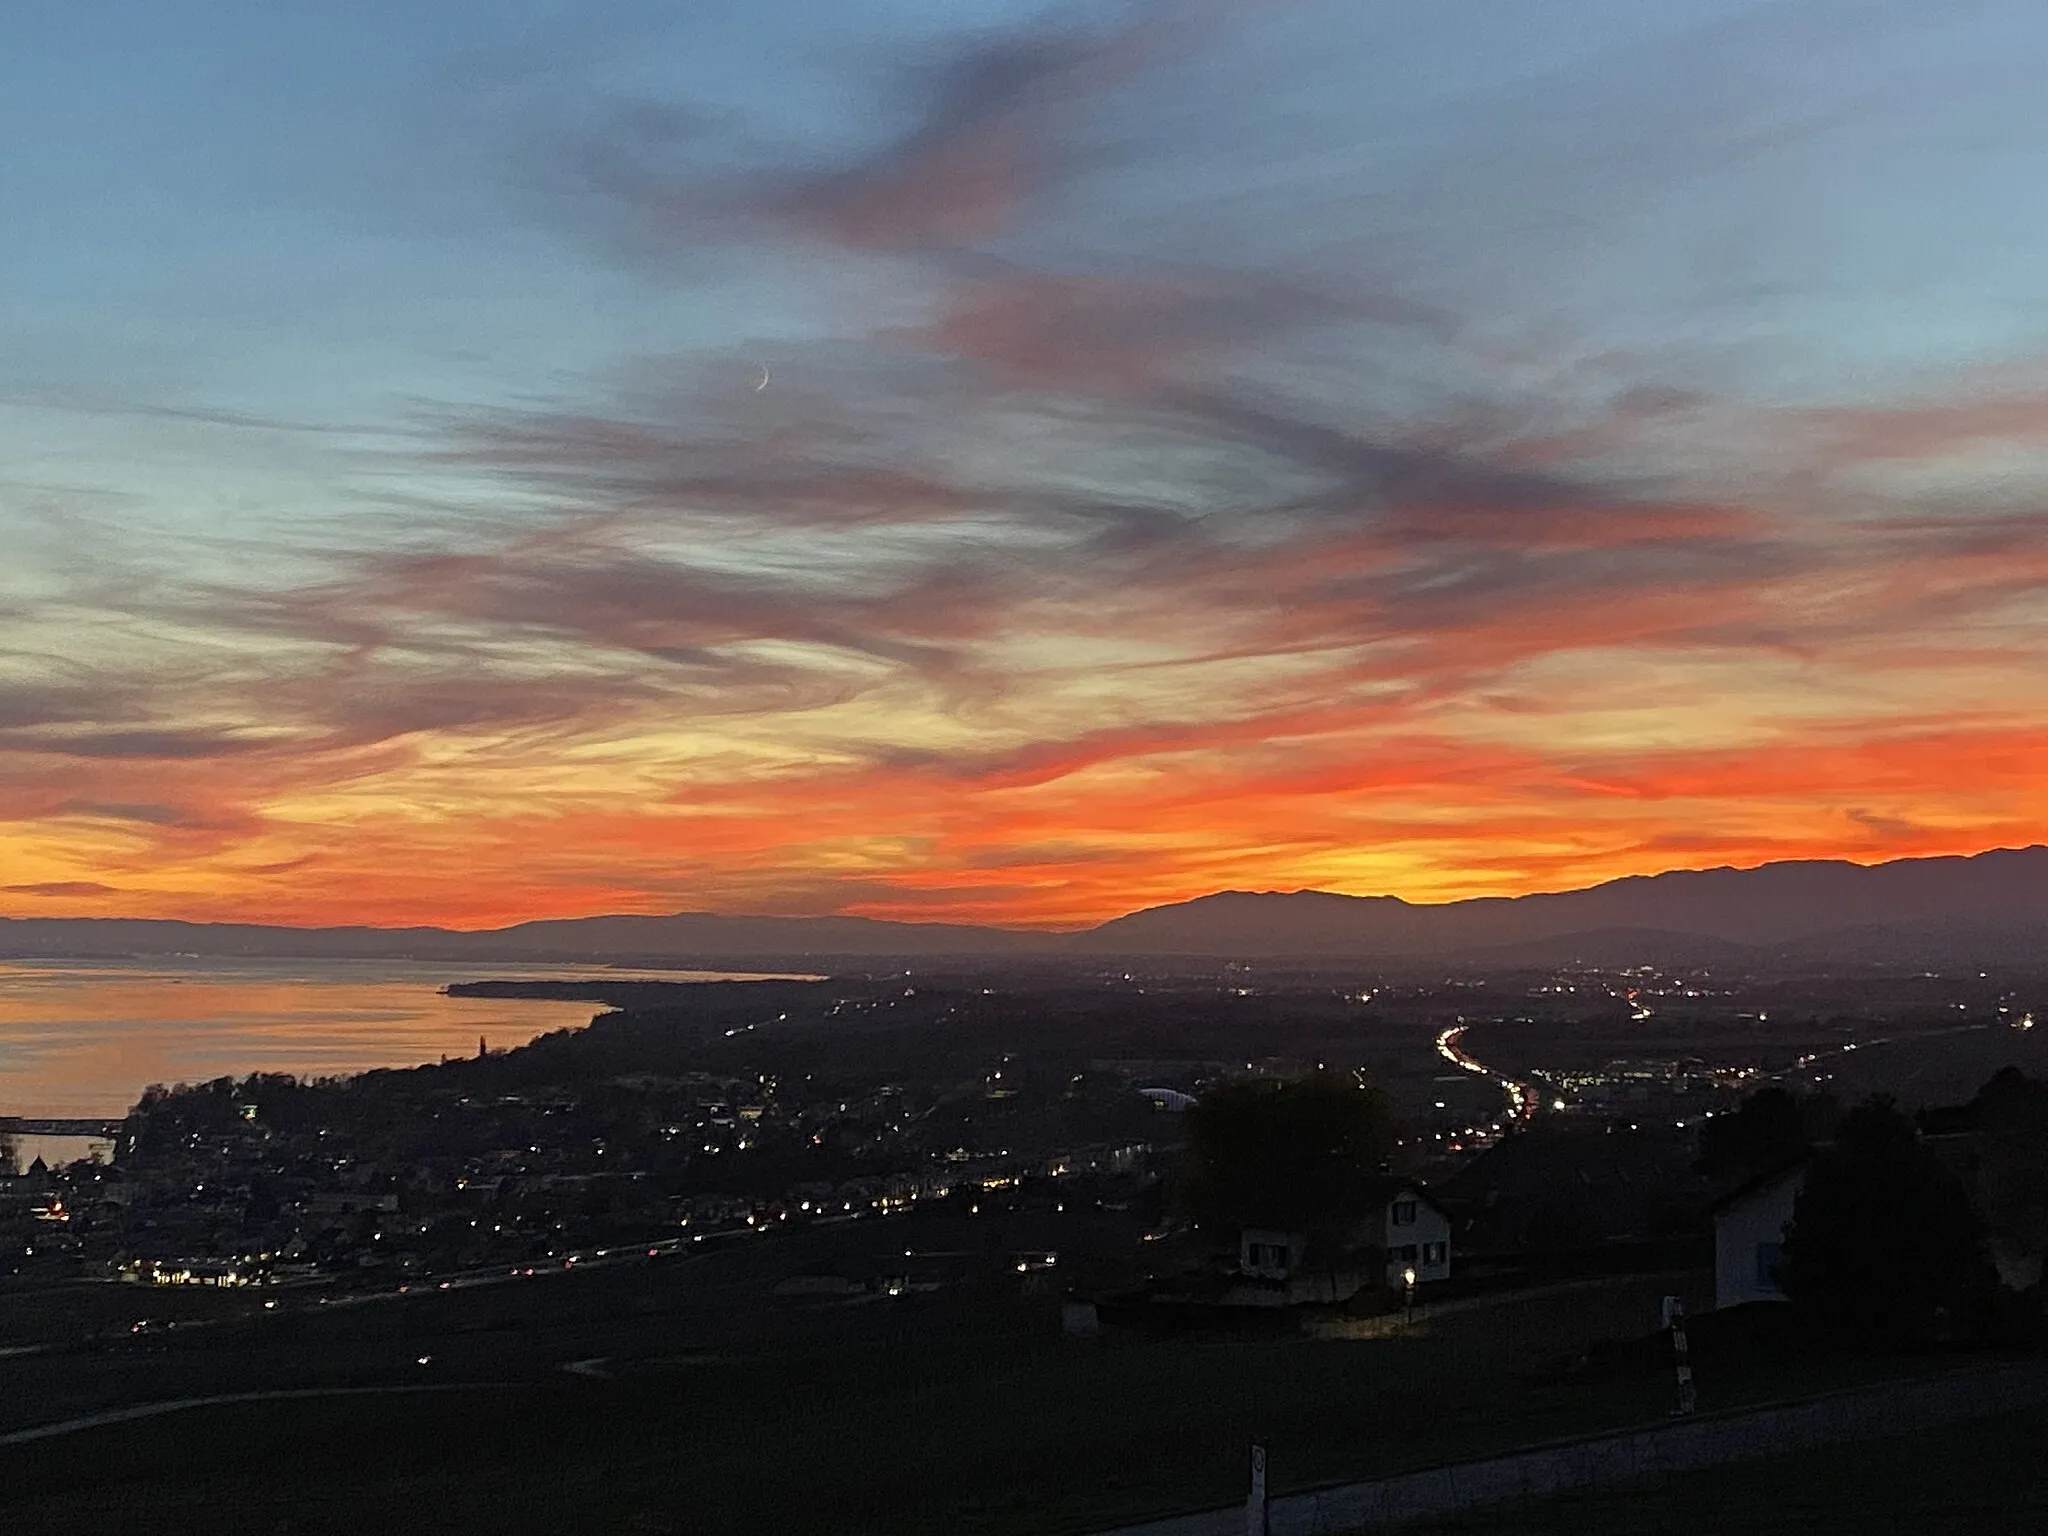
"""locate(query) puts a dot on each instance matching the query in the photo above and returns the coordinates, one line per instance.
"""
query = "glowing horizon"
(997, 464)
(1054, 928)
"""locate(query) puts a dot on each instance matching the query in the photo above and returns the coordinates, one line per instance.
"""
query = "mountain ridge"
(1989, 901)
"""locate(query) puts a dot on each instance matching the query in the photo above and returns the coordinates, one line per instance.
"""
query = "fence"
(1611, 1460)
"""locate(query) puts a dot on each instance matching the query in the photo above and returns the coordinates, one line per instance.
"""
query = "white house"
(1415, 1233)
(1749, 1235)
(1405, 1230)
(1267, 1253)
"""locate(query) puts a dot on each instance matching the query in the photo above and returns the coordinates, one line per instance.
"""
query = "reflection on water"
(82, 1038)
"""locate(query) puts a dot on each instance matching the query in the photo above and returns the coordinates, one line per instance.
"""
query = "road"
(600, 1258)
(1522, 1099)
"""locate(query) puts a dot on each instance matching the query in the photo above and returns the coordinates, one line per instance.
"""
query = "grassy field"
(1966, 1478)
(729, 1410)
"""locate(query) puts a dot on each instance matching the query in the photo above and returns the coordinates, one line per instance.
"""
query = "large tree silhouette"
(1883, 1244)
(1768, 1129)
(1300, 1155)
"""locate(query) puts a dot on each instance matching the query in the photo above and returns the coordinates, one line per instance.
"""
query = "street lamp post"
(1407, 1298)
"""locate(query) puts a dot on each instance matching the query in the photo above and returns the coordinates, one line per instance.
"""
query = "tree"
(2010, 1114)
(1883, 1245)
(1769, 1128)
(1299, 1155)
(8, 1165)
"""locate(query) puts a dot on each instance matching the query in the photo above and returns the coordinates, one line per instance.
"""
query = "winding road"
(1522, 1099)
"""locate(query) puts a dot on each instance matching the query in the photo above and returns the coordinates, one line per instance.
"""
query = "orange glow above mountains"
(1038, 500)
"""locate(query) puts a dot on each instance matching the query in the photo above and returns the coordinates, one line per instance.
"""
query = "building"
(1749, 1234)
(1405, 1231)
(1414, 1233)
(1570, 1187)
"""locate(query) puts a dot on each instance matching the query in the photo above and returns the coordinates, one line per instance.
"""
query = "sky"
(984, 461)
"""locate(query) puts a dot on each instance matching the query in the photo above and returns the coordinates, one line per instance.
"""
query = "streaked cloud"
(1019, 469)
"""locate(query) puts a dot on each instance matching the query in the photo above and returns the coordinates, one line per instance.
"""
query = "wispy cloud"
(1089, 464)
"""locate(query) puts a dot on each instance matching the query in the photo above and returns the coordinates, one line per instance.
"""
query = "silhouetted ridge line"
(1984, 907)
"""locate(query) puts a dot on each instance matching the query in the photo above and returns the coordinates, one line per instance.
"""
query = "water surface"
(84, 1037)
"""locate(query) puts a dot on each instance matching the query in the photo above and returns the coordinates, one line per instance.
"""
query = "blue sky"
(1163, 392)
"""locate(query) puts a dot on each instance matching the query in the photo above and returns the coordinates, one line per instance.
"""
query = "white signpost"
(1674, 1319)
(1255, 1501)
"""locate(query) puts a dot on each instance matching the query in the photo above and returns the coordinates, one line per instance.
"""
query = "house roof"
(1568, 1186)
(1757, 1183)
(1382, 1190)
(1387, 1188)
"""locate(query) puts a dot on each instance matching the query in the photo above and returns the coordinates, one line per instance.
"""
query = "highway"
(1522, 1099)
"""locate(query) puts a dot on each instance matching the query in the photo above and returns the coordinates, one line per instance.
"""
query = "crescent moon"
(764, 379)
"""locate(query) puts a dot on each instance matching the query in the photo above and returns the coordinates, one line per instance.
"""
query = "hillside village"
(1049, 1174)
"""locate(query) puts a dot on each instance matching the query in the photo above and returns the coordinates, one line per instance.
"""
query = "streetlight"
(1408, 1297)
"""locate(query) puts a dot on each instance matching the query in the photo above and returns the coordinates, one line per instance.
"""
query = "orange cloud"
(1062, 589)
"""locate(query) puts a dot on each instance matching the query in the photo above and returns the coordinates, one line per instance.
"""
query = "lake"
(82, 1038)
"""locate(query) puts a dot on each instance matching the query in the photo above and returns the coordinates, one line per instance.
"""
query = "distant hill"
(1925, 946)
(1768, 907)
(1990, 908)
(1614, 948)
(680, 936)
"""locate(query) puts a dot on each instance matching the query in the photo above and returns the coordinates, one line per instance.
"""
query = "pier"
(43, 1125)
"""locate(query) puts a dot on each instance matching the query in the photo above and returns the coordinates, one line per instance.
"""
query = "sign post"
(1674, 1319)
(1255, 1502)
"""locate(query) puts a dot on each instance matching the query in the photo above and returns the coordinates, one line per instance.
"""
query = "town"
(1078, 1185)
(690, 1115)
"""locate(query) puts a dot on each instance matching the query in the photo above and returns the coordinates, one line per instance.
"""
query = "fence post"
(1255, 1523)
